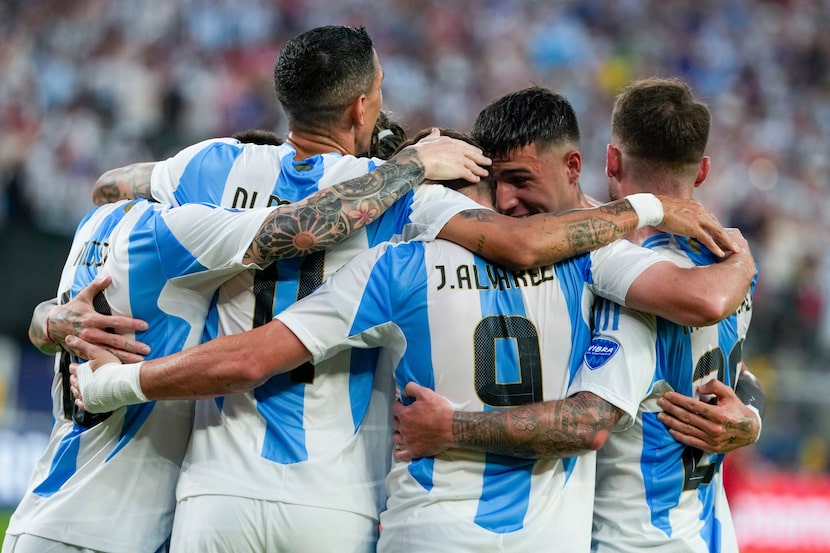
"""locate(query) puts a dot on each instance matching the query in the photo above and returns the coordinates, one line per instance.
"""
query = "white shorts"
(218, 524)
(27, 543)
(437, 528)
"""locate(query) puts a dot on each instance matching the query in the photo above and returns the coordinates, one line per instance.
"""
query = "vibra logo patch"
(600, 351)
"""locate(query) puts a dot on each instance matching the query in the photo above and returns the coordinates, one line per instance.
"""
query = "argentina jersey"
(653, 492)
(293, 438)
(485, 338)
(106, 483)
(243, 175)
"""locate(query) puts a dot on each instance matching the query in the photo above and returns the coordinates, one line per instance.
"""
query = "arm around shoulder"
(124, 183)
(543, 238)
(696, 296)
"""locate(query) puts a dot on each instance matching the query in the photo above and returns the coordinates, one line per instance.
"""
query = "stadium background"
(88, 85)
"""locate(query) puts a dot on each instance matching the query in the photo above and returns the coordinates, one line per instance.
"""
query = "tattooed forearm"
(129, 182)
(330, 215)
(543, 238)
(539, 431)
(595, 232)
(37, 328)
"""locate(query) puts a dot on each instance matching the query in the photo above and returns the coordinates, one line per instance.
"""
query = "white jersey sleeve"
(218, 238)
(323, 321)
(616, 266)
(432, 206)
(618, 364)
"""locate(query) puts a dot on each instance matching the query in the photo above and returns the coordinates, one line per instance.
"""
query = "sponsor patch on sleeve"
(600, 351)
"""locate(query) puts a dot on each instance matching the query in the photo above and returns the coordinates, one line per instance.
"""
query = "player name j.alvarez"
(490, 277)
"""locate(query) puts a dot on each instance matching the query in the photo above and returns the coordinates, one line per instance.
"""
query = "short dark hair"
(534, 115)
(454, 184)
(659, 120)
(319, 72)
(258, 136)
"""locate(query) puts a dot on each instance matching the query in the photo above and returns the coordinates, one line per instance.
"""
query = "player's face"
(372, 106)
(532, 181)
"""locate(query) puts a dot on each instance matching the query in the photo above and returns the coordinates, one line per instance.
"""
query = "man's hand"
(718, 428)
(79, 318)
(97, 356)
(102, 384)
(423, 428)
(446, 158)
(687, 217)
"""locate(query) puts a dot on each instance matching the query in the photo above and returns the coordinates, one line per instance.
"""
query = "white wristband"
(757, 414)
(649, 209)
(111, 386)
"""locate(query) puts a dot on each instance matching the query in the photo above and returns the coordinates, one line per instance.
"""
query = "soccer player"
(653, 492)
(106, 482)
(289, 430)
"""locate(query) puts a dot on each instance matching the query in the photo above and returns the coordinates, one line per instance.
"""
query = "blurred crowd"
(88, 85)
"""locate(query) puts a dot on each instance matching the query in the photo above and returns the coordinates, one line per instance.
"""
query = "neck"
(640, 235)
(308, 144)
(588, 201)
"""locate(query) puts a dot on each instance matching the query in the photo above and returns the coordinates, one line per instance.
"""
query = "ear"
(357, 111)
(703, 170)
(573, 161)
(613, 162)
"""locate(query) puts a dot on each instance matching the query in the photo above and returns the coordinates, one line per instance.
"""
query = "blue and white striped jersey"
(310, 437)
(653, 492)
(109, 487)
(484, 338)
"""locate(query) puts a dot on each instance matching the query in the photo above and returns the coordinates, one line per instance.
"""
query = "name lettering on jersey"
(493, 277)
(240, 199)
(600, 352)
(92, 254)
(746, 305)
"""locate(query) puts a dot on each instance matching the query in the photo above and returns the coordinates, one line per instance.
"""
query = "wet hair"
(258, 136)
(534, 115)
(659, 120)
(319, 72)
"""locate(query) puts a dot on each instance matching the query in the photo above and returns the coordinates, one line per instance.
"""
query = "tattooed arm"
(39, 328)
(544, 238)
(550, 429)
(129, 182)
(315, 223)
(328, 216)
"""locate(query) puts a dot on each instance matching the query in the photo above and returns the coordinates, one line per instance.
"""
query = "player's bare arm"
(328, 216)
(551, 429)
(39, 328)
(227, 365)
(710, 293)
(124, 183)
(51, 323)
(544, 238)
